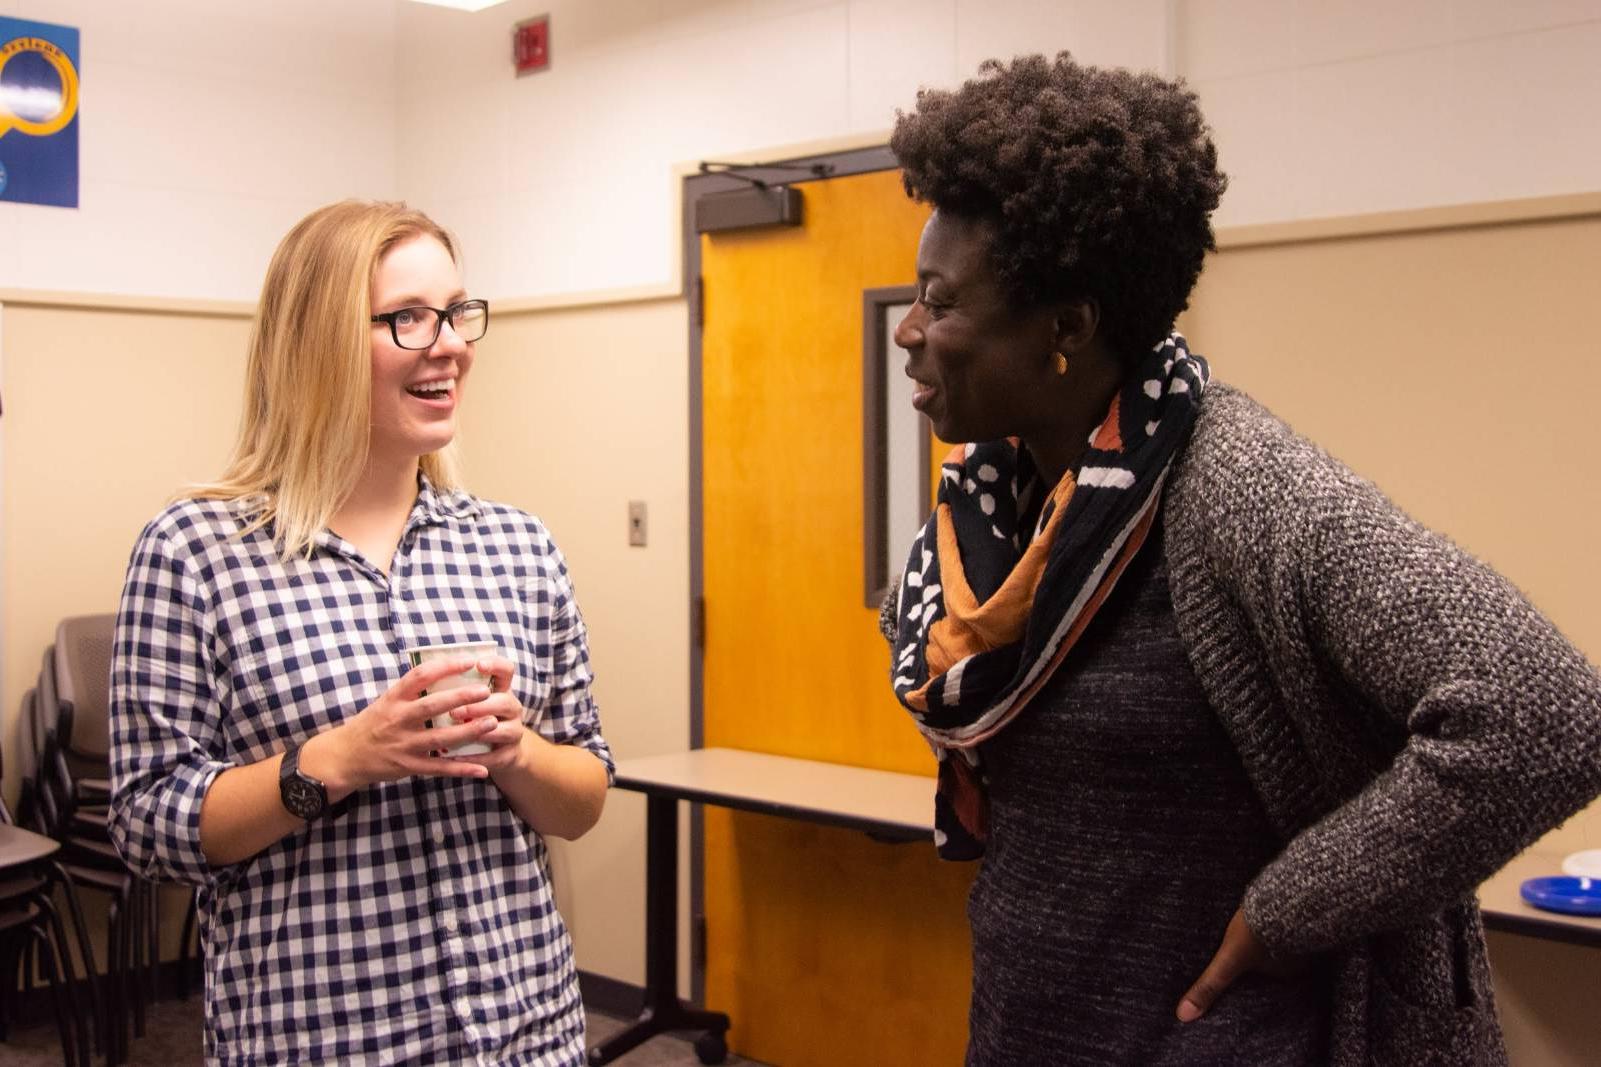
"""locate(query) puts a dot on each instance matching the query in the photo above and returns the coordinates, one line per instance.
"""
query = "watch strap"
(303, 796)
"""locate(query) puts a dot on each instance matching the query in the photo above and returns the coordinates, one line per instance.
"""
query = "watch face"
(302, 798)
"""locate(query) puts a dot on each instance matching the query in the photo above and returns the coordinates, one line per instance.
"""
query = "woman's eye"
(405, 317)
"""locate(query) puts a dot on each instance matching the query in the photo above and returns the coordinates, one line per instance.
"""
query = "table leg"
(663, 1010)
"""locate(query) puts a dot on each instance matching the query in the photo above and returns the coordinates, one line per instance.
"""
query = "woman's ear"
(1077, 324)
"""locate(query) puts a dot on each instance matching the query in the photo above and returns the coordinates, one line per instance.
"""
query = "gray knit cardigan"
(1409, 721)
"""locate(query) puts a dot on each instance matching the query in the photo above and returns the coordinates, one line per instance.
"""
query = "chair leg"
(11, 956)
(29, 968)
(153, 892)
(186, 959)
(62, 950)
(92, 978)
(41, 944)
(116, 1045)
(133, 934)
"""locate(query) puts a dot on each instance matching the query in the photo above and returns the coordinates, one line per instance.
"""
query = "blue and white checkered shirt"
(415, 923)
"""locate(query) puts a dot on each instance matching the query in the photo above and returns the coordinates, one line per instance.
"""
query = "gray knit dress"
(1123, 836)
(1393, 722)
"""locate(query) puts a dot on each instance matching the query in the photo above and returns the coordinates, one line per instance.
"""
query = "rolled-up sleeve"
(165, 716)
(571, 716)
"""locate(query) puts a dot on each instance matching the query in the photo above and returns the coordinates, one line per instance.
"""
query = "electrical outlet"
(636, 523)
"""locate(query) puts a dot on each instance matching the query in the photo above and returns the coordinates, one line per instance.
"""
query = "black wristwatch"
(303, 796)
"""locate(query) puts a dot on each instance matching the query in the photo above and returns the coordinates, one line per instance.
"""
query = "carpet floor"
(172, 1039)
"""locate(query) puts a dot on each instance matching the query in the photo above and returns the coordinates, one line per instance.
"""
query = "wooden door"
(824, 946)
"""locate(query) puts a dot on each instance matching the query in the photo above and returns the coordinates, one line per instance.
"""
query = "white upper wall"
(1318, 109)
(209, 126)
(206, 129)
(561, 181)
(1327, 109)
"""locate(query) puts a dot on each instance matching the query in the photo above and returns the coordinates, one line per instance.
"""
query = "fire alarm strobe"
(530, 45)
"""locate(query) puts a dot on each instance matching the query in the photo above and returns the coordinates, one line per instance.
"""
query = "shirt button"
(438, 835)
(449, 922)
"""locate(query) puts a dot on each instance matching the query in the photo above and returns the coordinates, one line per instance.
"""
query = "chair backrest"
(38, 807)
(25, 798)
(83, 683)
(42, 757)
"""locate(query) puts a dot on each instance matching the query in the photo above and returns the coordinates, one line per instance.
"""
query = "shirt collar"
(438, 508)
(431, 508)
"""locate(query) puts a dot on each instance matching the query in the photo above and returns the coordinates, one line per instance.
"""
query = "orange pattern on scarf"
(968, 627)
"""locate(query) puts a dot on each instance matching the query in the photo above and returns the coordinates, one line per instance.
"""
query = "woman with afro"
(1235, 738)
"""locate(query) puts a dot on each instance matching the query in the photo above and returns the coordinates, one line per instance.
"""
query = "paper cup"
(455, 681)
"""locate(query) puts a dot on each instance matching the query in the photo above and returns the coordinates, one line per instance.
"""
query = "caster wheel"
(711, 1047)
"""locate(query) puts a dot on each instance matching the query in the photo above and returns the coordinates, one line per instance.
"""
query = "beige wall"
(1451, 366)
(570, 414)
(1549, 1000)
(107, 412)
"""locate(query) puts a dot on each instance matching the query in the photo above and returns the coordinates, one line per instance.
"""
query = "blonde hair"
(305, 432)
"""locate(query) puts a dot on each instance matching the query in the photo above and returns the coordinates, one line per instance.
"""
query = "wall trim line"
(640, 294)
(1382, 223)
(160, 305)
(1300, 231)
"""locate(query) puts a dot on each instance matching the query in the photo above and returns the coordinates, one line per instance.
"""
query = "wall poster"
(38, 113)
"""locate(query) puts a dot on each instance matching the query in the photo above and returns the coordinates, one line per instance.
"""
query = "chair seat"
(12, 889)
(87, 764)
(93, 790)
(104, 878)
(92, 821)
(95, 851)
(19, 846)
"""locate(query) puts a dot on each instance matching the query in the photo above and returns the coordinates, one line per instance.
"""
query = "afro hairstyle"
(1098, 183)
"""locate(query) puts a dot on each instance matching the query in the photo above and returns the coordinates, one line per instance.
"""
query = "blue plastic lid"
(1569, 895)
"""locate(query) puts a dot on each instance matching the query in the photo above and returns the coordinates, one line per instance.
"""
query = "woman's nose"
(449, 341)
(909, 331)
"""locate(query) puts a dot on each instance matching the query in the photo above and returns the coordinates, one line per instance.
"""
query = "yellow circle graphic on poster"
(33, 109)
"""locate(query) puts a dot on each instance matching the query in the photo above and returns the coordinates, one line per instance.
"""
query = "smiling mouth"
(436, 390)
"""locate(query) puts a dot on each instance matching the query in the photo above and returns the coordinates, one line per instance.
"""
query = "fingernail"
(1188, 1011)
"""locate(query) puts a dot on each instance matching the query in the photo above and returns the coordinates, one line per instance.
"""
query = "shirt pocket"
(301, 685)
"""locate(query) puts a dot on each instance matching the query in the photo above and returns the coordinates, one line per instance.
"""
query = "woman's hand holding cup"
(499, 711)
(390, 738)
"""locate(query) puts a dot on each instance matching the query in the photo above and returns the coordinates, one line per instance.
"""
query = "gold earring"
(1061, 363)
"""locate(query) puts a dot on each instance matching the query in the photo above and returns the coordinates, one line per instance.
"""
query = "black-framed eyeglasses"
(417, 328)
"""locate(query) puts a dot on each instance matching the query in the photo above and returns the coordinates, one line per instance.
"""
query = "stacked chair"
(66, 797)
(31, 934)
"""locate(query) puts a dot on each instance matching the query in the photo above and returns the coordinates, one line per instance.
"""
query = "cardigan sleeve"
(1478, 724)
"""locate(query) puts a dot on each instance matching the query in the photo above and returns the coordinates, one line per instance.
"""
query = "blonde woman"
(365, 897)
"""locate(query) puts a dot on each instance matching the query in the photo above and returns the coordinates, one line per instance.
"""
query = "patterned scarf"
(987, 612)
